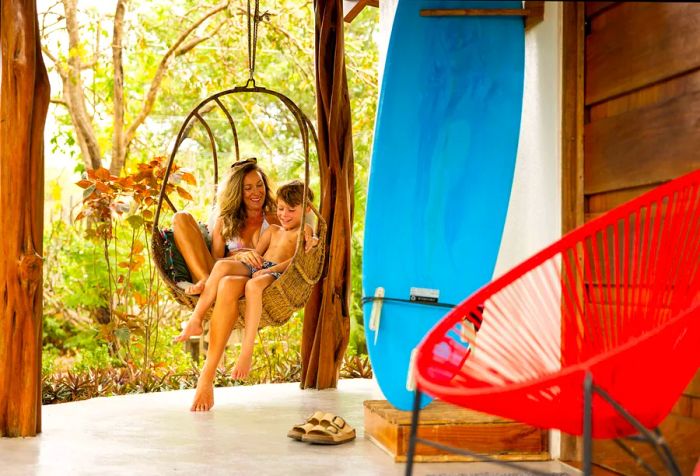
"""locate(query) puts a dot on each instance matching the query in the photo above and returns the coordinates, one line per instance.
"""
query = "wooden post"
(24, 99)
(573, 19)
(326, 316)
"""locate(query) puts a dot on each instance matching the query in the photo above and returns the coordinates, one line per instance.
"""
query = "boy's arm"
(310, 240)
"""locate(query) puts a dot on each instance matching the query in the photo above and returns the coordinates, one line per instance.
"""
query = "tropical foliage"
(128, 77)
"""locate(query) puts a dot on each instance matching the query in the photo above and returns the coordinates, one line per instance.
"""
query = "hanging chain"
(254, 19)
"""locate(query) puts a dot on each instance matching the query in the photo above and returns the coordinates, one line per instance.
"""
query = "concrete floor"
(244, 434)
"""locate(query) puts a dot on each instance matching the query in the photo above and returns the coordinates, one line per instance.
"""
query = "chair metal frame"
(688, 309)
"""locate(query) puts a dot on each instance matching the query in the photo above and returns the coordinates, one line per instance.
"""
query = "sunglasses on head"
(240, 163)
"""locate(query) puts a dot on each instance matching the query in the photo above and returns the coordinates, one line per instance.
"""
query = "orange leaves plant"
(106, 197)
(118, 213)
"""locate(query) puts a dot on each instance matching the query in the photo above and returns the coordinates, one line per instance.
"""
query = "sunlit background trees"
(124, 76)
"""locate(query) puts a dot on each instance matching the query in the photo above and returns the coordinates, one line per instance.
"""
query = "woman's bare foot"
(192, 328)
(196, 288)
(204, 396)
(242, 367)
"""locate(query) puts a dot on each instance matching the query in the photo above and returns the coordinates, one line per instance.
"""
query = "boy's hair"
(292, 193)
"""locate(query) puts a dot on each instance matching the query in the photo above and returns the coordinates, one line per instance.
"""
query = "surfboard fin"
(411, 377)
(376, 315)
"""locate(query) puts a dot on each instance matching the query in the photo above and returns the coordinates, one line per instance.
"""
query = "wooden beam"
(474, 12)
(573, 19)
(24, 102)
(326, 316)
(536, 16)
(572, 116)
(352, 8)
(533, 12)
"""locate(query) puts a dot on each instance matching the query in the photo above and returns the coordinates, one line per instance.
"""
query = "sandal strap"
(338, 422)
(312, 420)
(315, 417)
(332, 429)
(326, 420)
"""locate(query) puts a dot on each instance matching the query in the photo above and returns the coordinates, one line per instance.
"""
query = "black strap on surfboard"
(367, 299)
(477, 319)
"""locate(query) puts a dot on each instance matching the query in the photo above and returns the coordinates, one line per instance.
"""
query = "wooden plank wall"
(642, 128)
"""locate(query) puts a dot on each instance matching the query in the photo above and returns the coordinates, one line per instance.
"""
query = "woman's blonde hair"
(229, 198)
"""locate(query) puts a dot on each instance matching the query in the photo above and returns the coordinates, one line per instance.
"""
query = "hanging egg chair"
(293, 288)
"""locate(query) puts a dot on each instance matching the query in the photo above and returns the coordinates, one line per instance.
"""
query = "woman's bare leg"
(190, 242)
(253, 311)
(225, 314)
(221, 269)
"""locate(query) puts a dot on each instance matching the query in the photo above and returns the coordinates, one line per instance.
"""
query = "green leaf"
(88, 191)
(122, 334)
(135, 221)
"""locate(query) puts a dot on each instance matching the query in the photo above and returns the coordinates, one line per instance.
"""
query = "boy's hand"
(311, 243)
(261, 272)
(250, 257)
(310, 240)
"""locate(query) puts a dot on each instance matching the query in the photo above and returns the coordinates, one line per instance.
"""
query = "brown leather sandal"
(331, 430)
(300, 430)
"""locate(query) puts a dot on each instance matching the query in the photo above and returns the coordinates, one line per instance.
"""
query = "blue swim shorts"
(266, 264)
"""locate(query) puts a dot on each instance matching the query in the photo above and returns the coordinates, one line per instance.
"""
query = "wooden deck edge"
(393, 438)
(382, 446)
(455, 458)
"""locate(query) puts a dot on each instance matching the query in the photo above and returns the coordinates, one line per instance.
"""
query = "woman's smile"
(253, 190)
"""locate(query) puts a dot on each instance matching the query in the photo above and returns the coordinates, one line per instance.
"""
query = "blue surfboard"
(445, 143)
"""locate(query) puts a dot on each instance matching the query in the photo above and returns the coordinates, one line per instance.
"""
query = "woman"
(245, 208)
(232, 285)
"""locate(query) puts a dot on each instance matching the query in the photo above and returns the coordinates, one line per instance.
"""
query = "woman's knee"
(220, 267)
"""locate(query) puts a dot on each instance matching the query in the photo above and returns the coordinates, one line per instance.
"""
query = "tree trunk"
(24, 99)
(118, 145)
(75, 95)
(326, 317)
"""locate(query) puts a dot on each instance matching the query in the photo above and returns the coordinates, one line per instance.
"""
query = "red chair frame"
(570, 338)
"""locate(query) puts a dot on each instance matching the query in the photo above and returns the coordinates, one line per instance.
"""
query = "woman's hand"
(250, 257)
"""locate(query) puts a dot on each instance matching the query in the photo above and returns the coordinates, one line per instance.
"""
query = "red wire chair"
(596, 335)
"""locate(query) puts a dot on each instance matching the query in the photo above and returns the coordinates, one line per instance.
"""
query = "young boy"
(277, 245)
(273, 253)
